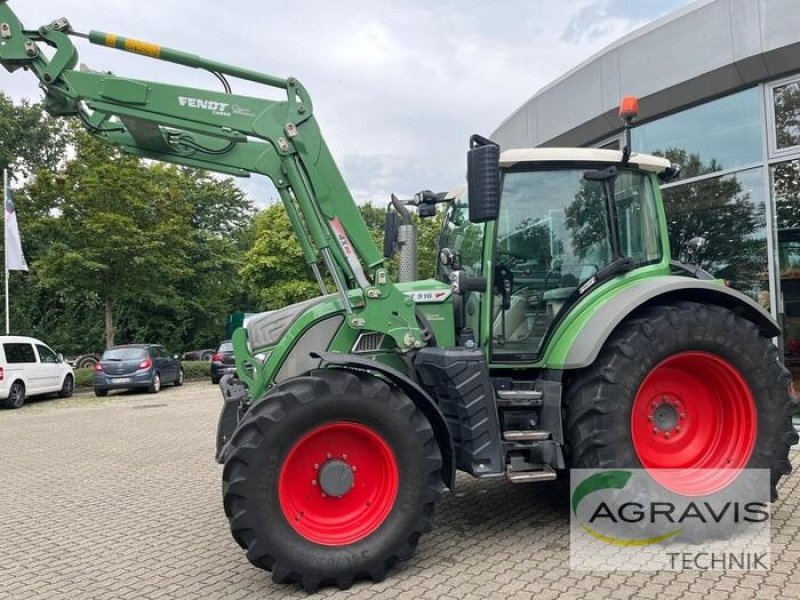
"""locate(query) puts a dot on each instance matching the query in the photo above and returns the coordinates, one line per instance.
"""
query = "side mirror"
(670, 173)
(693, 250)
(483, 179)
(60, 357)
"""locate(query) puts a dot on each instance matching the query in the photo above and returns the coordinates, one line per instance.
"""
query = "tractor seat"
(556, 298)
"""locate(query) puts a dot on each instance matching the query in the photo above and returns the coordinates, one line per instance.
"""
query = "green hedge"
(196, 369)
(84, 377)
(192, 369)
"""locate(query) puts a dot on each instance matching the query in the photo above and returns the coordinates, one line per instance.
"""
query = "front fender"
(418, 396)
(582, 343)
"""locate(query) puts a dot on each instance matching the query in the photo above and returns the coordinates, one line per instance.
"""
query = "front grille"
(368, 342)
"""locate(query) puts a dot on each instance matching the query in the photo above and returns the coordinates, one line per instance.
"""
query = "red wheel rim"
(694, 423)
(365, 485)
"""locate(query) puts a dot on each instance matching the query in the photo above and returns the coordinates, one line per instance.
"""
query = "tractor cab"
(568, 220)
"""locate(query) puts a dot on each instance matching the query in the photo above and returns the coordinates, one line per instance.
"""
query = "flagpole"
(5, 246)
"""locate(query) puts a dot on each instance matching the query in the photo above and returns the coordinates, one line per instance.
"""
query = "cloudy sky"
(398, 86)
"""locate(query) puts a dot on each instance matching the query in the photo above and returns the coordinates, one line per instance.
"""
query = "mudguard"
(659, 290)
(421, 399)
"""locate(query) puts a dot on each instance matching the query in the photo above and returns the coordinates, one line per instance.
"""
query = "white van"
(29, 367)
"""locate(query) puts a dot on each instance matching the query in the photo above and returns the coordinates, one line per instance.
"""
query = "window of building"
(610, 144)
(715, 136)
(785, 177)
(785, 127)
(19, 353)
(730, 212)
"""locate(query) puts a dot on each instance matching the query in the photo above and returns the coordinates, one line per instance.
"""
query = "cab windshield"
(554, 233)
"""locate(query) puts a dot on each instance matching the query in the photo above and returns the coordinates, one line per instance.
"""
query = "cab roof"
(647, 162)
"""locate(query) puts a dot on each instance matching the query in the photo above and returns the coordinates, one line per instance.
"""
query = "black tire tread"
(592, 425)
(243, 457)
(6, 402)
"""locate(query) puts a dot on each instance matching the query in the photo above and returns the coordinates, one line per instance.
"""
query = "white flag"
(15, 259)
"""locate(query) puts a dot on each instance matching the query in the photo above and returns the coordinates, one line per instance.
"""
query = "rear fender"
(418, 396)
(595, 330)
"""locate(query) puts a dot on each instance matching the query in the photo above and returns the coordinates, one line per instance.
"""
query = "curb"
(88, 389)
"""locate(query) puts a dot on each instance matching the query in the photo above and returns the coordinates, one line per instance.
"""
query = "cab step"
(546, 473)
(526, 436)
(517, 397)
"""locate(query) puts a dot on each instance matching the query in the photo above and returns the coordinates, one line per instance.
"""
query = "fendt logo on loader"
(218, 108)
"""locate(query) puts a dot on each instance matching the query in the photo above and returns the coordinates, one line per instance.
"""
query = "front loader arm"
(231, 134)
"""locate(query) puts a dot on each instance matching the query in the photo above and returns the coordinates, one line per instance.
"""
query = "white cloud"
(398, 87)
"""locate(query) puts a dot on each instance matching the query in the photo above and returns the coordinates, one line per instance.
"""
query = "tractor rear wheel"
(693, 393)
(331, 478)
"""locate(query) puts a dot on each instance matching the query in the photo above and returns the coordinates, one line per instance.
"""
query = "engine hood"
(265, 329)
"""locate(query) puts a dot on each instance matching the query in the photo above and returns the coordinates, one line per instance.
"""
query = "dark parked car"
(222, 362)
(144, 366)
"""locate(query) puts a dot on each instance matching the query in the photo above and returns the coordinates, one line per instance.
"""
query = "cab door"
(557, 228)
(464, 240)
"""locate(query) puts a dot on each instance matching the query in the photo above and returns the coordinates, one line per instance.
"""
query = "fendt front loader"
(560, 335)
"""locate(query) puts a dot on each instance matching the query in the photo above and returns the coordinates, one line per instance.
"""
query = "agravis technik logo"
(623, 519)
(611, 480)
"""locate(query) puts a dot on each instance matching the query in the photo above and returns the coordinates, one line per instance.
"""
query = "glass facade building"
(719, 88)
(740, 188)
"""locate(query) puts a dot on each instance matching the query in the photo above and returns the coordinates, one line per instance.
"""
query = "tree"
(120, 232)
(31, 139)
(275, 270)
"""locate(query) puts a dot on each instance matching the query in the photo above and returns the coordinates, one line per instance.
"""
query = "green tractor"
(560, 334)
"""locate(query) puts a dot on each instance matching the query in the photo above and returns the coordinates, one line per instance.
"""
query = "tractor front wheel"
(693, 393)
(331, 478)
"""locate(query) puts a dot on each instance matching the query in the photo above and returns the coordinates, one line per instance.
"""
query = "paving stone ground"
(120, 499)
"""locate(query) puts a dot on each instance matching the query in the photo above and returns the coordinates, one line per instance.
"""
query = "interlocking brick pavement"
(120, 499)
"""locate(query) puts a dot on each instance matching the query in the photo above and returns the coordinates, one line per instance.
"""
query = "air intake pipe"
(406, 242)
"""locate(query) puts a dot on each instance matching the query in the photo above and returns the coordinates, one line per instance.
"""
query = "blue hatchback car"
(142, 366)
